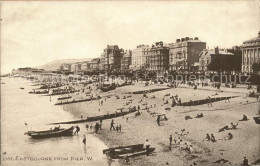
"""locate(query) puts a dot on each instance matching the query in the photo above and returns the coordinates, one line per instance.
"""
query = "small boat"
(257, 120)
(109, 87)
(127, 151)
(39, 92)
(62, 98)
(56, 132)
(21, 88)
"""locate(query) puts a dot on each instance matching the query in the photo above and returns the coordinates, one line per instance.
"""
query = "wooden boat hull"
(140, 153)
(108, 89)
(50, 133)
(97, 118)
(127, 151)
(63, 98)
(257, 120)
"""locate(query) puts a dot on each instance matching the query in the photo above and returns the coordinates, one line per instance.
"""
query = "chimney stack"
(182, 39)
(216, 50)
(186, 38)
(196, 38)
(178, 40)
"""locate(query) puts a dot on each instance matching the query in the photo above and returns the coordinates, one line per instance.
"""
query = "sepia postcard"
(139, 83)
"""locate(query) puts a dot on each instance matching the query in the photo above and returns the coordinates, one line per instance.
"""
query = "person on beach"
(112, 125)
(207, 137)
(147, 146)
(175, 140)
(100, 124)
(209, 101)
(213, 138)
(158, 120)
(77, 130)
(87, 127)
(84, 140)
(229, 136)
(116, 128)
(170, 139)
(245, 162)
(244, 118)
(96, 127)
(233, 126)
(223, 128)
(119, 128)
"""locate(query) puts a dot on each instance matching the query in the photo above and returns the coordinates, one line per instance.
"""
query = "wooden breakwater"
(205, 101)
(149, 91)
(74, 101)
(96, 118)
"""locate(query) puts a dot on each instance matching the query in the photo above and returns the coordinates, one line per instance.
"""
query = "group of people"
(183, 145)
(118, 128)
(210, 138)
(232, 127)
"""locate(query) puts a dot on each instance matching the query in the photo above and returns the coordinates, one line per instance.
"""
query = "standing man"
(170, 140)
(100, 124)
(147, 146)
(77, 130)
(112, 125)
(245, 162)
(158, 120)
(96, 127)
(84, 139)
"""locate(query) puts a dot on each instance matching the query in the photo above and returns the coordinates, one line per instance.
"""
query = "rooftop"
(255, 39)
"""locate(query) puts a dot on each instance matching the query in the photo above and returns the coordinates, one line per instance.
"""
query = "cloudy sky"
(35, 33)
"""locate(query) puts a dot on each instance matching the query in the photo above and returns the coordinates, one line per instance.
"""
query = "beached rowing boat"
(257, 120)
(109, 87)
(97, 118)
(127, 151)
(56, 132)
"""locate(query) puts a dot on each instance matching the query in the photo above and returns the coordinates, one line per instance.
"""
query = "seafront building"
(111, 58)
(185, 53)
(140, 59)
(251, 55)
(78, 67)
(85, 66)
(126, 60)
(73, 67)
(94, 64)
(216, 59)
(158, 57)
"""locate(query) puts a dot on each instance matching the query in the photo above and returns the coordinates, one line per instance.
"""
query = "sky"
(34, 33)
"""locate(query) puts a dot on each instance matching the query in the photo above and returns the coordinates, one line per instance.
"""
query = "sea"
(19, 108)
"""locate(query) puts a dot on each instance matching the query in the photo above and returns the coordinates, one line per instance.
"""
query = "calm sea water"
(18, 107)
